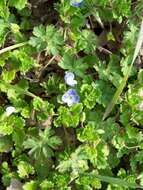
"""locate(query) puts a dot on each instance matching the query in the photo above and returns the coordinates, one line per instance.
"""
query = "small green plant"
(43, 145)
(71, 94)
(47, 39)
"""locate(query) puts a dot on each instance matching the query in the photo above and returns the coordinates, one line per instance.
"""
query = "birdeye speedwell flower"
(76, 3)
(69, 79)
(10, 110)
(71, 97)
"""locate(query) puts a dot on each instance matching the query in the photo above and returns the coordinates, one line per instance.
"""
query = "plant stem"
(12, 47)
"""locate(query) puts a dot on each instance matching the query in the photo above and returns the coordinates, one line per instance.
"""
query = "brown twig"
(43, 68)
(102, 49)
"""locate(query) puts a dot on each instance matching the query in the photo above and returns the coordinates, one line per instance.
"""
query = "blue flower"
(69, 79)
(76, 3)
(71, 97)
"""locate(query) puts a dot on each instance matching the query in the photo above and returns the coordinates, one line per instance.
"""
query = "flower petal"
(69, 79)
(71, 82)
(71, 97)
(76, 3)
(72, 92)
(10, 110)
(70, 102)
(69, 75)
(65, 98)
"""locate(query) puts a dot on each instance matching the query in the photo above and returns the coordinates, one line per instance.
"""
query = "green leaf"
(88, 134)
(123, 83)
(69, 117)
(43, 108)
(107, 91)
(47, 39)
(18, 4)
(85, 41)
(22, 61)
(18, 137)
(90, 94)
(88, 181)
(4, 10)
(6, 129)
(8, 76)
(98, 155)
(77, 163)
(5, 144)
(74, 65)
(45, 185)
(42, 147)
(3, 30)
(32, 185)
(24, 169)
(118, 181)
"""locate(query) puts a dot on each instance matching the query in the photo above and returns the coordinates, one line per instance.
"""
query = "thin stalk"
(4, 50)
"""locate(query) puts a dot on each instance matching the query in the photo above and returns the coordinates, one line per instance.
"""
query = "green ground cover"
(71, 94)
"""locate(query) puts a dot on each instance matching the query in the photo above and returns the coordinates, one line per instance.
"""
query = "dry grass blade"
(123, 83)
(13, 47)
